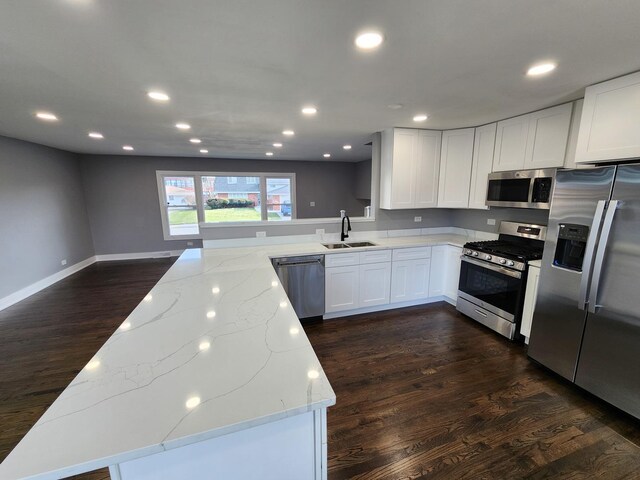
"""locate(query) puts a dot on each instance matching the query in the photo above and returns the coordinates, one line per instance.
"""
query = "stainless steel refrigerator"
(586, 325)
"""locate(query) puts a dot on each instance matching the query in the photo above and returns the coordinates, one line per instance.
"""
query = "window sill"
(299, 221)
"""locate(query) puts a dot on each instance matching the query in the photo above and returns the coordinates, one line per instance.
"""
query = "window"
(180, 209)
(189, 199)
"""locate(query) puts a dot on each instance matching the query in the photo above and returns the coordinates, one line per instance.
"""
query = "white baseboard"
(388, 306)
(29, 290)
(25, 292)
(111, 257)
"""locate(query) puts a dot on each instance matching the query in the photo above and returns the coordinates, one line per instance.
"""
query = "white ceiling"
(240, 70)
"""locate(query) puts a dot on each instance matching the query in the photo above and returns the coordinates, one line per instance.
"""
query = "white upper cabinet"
(610, 123)
(535, 140)
(483, 146)
(511, 144)
(409, 168)
(456, 160)
(572, 144)
(548, 135)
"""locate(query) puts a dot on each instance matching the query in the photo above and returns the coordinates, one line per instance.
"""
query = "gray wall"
(477, 219)
(122, 196)
(43, 218)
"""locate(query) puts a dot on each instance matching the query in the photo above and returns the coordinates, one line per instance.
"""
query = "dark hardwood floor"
(422, 392)
(425, 392)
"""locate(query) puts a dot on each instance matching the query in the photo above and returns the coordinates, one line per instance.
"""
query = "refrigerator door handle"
(588, 256)
(602, 247)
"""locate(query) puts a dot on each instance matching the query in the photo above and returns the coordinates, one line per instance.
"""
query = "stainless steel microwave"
(521, 189)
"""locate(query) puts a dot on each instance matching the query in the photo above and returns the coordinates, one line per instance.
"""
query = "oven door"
(495, 288)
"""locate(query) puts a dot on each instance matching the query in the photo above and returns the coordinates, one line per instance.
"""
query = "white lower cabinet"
(452, 272)
(342, 288)
(530, 296)
(410, 280)
(437, 275)
(375, 279)
(382, 277)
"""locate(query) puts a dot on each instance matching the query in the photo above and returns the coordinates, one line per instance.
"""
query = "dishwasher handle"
(298, 261)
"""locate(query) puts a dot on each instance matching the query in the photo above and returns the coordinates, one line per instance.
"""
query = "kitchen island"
(211, 376)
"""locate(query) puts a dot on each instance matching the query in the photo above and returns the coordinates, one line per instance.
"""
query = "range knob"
(510, 263)
(503, 261)
(475, 254)
(488, 257)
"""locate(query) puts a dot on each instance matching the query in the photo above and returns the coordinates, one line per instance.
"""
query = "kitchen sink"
(334, 246)
(361, 244)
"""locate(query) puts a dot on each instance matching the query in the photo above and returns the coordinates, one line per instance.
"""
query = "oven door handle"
(491, 266)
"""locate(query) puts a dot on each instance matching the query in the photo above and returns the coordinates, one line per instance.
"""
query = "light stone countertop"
(217, 327)
(536, 263)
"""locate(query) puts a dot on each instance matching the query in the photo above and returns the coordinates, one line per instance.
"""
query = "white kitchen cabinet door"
(342, 288)
(405, 152)
(610, 123)
(410, 280)
(438, 271)
(452, 272)
(483, 146)
(427, 169)
(410, 162)
(530, 297)
(375, 284)
(456, 160)
(547, 138)
(511, 144)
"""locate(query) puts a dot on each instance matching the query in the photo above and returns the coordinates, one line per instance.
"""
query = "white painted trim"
(29, 290)
(111, 257)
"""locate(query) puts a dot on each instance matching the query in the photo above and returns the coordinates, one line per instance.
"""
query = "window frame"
(197, 176)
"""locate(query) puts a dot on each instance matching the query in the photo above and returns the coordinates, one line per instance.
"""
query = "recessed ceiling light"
(541, 69)
(195, 140)
(127, 147)
(368, 40)
(158, 96)
(288, 132)
(204, 345)
(192, 402)
(309, 110)
(97, 135)
(204, 150)
(269, 154)
(395, 106)
(183, 126)
(326, 155)
(420, 117)
(277, 145)
(313, 374)
(48, 116)
(347, 147)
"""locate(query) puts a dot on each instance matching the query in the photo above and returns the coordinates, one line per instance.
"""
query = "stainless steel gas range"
(493, 276)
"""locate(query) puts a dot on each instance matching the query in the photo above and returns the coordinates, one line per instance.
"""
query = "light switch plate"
(312, 204)
(261, 234)
(491, 221)
(417, 219)
(63, 262)
(189, 244)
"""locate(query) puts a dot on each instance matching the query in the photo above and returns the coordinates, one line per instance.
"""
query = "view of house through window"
(220, 198)
(180, 205)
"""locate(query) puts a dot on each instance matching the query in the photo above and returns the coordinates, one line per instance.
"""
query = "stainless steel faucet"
(345, 234)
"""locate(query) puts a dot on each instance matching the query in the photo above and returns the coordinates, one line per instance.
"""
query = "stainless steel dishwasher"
(303, 280)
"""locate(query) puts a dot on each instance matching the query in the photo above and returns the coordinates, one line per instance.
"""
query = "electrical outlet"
(261, 234)
(312, 204)
(189, 244)
(319, 231)
(417, 219)
(63, 262)
(491, 221)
